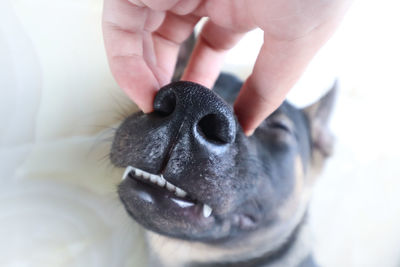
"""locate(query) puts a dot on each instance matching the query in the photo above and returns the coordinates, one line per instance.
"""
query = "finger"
(136, 80)
(278, 66)
(159, 5)
(123, 27)
(167, 39)
(207, 57)
(185, 7)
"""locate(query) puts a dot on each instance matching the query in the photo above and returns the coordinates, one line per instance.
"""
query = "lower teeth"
(182, 203)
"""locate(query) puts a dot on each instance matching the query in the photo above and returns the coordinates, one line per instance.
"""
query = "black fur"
(195, 141)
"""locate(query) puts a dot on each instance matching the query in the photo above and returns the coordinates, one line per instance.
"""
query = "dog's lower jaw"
(293, 250)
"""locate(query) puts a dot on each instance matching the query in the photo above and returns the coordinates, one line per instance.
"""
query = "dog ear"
(318, 115)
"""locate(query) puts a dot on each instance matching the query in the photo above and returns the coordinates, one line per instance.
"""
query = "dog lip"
(160, 181)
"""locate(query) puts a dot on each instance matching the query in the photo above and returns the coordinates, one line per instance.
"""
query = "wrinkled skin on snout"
(253, 185)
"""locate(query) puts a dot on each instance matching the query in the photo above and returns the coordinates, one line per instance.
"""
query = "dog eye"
(279, 125)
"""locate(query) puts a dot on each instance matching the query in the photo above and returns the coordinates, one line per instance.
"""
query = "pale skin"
(142, 39)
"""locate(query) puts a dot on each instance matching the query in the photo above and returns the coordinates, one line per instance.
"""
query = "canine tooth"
(160, 181)
(206, 211)
(127, 171)
(179, 192)
(170, 187)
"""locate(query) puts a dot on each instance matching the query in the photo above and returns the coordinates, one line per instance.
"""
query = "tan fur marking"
(317, 163)
(173, 252)
(300, 193)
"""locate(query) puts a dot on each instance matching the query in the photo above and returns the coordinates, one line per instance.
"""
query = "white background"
(59, 103)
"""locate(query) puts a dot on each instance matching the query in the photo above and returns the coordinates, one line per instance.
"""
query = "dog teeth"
(179, 192)
(170, 187)
(206, 211)
(146, 175)
(161, 181)
(138, 172)
(183, 203)
(155, 179)
(127, 171)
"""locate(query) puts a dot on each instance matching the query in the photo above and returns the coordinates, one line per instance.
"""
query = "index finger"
(123, 30)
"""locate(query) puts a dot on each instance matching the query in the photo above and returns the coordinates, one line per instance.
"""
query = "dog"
(210, 196)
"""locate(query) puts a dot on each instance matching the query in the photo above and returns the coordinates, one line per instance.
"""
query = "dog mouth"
(155, 189)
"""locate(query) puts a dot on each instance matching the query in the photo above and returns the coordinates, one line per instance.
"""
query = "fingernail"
(249, 132)
(145, 108)
(146, 111)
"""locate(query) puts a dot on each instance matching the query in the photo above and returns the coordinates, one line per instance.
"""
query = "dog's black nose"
(209, 118)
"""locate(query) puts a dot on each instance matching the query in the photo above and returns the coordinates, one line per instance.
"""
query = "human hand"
(142, 40)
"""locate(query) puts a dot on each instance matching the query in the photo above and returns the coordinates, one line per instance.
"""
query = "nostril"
(165, 102)
(215, 128)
